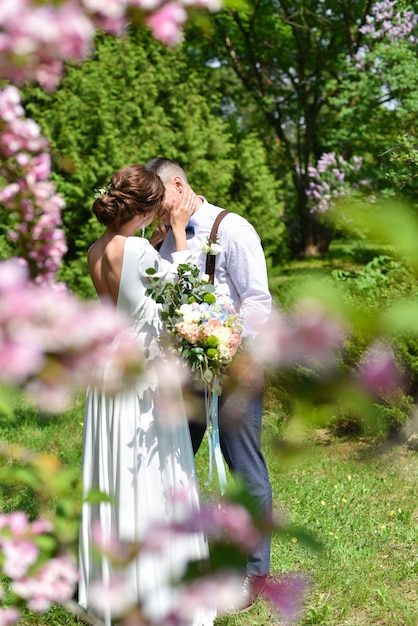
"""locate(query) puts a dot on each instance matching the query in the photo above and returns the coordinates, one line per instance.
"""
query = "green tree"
(135, 99)
(298, 64)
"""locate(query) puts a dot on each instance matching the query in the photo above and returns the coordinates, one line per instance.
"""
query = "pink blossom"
(40, 525)
(285, 594)
(192, 331)
(111, 546)
(379, 372)
(225, 521)
(54, 581)
(145, 5)
(50, 341)
(9, 191)
(220, 591)
(232, 521)
(18, 522)
(49, 74)
(165, 23)
(22, 134)
(211, 326)
(41, 166)
(318, 332)
(43, 36)
(234, 343)
(18, 557)
(9, 616)
(18, 360)
(273, 344)
(115, 596)
(310, 334)
(10, 106)
(211, 5)
(28, 193)
(111, 8)
(13, 278)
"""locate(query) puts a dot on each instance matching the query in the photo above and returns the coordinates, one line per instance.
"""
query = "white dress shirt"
(240, 267)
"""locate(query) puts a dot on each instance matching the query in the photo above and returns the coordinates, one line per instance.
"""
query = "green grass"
(343, 255)
(359, 501)
(357, 497)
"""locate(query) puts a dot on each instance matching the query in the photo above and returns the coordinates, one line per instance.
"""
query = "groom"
(241, 274)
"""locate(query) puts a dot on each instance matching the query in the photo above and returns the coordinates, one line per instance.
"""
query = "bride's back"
(105, 260)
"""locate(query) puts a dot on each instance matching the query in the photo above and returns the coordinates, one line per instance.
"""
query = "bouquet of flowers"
(204, 330)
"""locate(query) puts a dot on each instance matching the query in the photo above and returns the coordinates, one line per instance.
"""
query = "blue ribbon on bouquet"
(212, 429)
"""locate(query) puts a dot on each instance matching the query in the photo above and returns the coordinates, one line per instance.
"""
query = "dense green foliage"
(247, 104)
(291, 71)
(369, 282)
(135, 99)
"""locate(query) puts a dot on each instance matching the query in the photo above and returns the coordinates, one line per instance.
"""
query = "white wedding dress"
(132, 454)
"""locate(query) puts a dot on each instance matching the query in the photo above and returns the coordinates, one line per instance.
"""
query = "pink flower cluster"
(312, 335)
(8, 615)
(49, 341)
(332, 178)
(379, 372)
(387, 25)
(38, 584)
(54, 581)
(214, 326)
(36, 39)
(25, 164)
(309, 335)
(224, 522)
(386, 22)
(284, 595)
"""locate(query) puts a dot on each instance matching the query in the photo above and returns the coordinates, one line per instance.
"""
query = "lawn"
(356, 495)
(359, 500)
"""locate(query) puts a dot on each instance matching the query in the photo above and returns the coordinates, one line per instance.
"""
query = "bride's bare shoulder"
(106, 247)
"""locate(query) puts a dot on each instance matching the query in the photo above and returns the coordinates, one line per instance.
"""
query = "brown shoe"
(251, 588)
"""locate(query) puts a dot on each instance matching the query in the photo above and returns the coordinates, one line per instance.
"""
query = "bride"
(130, 452)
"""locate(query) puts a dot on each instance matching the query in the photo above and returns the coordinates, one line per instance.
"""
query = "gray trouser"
(240, 418)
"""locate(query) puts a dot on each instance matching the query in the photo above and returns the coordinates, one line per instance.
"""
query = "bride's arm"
(179, 218)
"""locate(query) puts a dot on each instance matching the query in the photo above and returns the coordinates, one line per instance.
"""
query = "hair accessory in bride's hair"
(102, 191)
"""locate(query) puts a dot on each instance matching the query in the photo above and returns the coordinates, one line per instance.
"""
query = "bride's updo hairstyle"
(133, 190)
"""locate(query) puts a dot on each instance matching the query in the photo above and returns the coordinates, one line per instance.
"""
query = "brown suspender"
(210, 259)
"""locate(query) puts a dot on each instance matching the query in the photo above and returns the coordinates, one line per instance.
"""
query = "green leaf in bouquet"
(208, 376)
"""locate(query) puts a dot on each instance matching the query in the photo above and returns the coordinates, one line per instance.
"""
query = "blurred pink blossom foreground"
(50, 341)
(36, 39)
